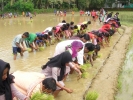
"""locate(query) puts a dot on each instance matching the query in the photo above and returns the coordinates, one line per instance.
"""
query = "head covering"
(5, 85)
(60, 62)
(75, 46)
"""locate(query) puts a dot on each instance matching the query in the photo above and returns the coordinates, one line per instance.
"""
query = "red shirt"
(106, 26)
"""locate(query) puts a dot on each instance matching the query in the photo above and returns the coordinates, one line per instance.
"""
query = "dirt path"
(106, 80)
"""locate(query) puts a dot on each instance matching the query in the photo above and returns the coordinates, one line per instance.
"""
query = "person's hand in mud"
(69, 90)
(79, 76)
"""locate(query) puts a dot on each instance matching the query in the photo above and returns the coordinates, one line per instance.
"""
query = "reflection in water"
(9, 28)
(126, 78)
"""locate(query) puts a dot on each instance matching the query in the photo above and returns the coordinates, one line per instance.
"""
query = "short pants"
(16, 49)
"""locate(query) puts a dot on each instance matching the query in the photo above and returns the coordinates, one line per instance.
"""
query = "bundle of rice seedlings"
(99, 55)
(28, 49)
(41, 96)
(53, 41)
(85, 67)
(84, 74)
(93, 95)
(41, 48)
(47, 44)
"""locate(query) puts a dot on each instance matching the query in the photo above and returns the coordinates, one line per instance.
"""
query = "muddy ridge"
(105, 81)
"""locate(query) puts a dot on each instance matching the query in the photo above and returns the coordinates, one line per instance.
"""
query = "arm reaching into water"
(17, 93)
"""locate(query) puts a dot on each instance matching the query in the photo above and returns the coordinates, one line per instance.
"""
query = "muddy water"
(9, 28)
(126, 78)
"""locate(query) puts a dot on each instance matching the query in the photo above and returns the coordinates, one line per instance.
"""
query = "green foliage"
(93, 95)
(40, 11)
(97, 3)
(41, 96)
(19, 6)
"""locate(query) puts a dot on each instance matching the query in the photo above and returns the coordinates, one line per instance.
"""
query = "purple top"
(75, 46)
(15, 93)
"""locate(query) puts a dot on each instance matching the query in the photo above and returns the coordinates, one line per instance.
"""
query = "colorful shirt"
(32, 37)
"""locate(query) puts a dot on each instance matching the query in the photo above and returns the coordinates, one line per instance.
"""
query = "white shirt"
(17, 39)
(61, 24)
(61, 47)
(47, 30)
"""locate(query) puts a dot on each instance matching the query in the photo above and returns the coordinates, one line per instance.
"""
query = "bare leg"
(15, 56)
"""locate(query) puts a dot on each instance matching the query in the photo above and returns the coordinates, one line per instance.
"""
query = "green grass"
(126, 17)
(92, 95)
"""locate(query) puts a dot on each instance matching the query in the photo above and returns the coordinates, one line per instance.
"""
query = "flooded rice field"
(125, 79)
(9, 28)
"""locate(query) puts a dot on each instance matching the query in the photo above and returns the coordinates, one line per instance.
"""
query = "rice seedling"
(41, 96)
(85, 67)
(92, 95)
(99, 55)
(84, 74)
(119, 83)
(53, 41)
(28, 49)
(41, 48)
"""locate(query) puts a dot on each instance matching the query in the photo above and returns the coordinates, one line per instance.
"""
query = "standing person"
(109, 15)
(30, 15)
(55, 68)
(93, 14)
(64, 12)
(16, 44)
(55, 12)
(88, 12)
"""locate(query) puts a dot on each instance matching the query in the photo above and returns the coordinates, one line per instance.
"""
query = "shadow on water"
(126, 77)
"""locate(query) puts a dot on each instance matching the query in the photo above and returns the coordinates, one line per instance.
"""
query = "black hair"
(71, 23)
(49, 33)
(117, 13)
(45, 36)
(90, 46)
(89, 22)
(67, 25)
(63, 21)
(49, 83)
(54, 28)
(26, 34)
(75, 27)
(63, 28)
(86, 37)
(97, 47)
(85, 25)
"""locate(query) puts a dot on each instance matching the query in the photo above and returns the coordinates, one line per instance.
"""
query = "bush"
(40, 11)
(19, 6)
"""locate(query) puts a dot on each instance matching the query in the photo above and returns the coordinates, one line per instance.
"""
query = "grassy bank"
(126, 17)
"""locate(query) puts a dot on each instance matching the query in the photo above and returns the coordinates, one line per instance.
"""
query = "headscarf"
(75, 46)
(5, 85)
(60, 62)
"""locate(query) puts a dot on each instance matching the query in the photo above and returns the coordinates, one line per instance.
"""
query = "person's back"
(27, 81)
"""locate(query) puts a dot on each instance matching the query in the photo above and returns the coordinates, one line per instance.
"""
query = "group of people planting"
(77, 48)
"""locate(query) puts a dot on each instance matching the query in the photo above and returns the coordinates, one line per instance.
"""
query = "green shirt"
(32, 37)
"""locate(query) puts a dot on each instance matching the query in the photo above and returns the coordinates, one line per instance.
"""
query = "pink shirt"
(15, 92)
